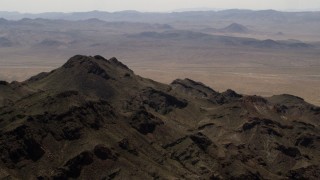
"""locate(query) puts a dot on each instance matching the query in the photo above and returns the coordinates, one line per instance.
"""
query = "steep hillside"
(94, 118)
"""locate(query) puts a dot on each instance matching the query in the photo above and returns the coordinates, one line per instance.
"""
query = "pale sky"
(36, 6)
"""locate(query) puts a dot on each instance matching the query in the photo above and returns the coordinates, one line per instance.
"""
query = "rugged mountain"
(94, 118)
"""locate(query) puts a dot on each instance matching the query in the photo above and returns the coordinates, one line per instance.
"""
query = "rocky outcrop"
(4, 83)
(103, 153)
(159, 101)
(200, 91)
(145, 122)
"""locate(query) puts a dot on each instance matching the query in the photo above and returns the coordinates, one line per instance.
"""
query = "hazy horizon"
(39, 6)
(172, 11)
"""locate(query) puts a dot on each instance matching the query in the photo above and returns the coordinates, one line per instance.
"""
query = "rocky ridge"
(94, 118)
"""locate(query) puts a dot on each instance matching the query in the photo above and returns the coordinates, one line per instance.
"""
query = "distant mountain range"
(269, 15)
(49, 34)
(261, 21)
(191, 36)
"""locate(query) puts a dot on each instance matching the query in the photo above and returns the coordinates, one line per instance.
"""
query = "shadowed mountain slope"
(94, 118)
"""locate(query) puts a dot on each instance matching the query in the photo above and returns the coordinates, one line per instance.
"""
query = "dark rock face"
(231, 94)
(33, 149)
(21, 144)
(145, 122)
(201, 91)
(30, 149)
(69, 125)
(93, 118)
(280, 108)
(74, 166)
(273, 132)
(304, 173)
(124, 144)
(160, 101)
(102, 152)
(307, 141)
(201, 140)
(4, 83)
(72, 131)
(266, 122)
(193, 88)
(289, 151)
(97, 70)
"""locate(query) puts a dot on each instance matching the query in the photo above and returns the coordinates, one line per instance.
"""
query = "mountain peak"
(236, 28)
(81, 60)
(93, 76)
(94, 62)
